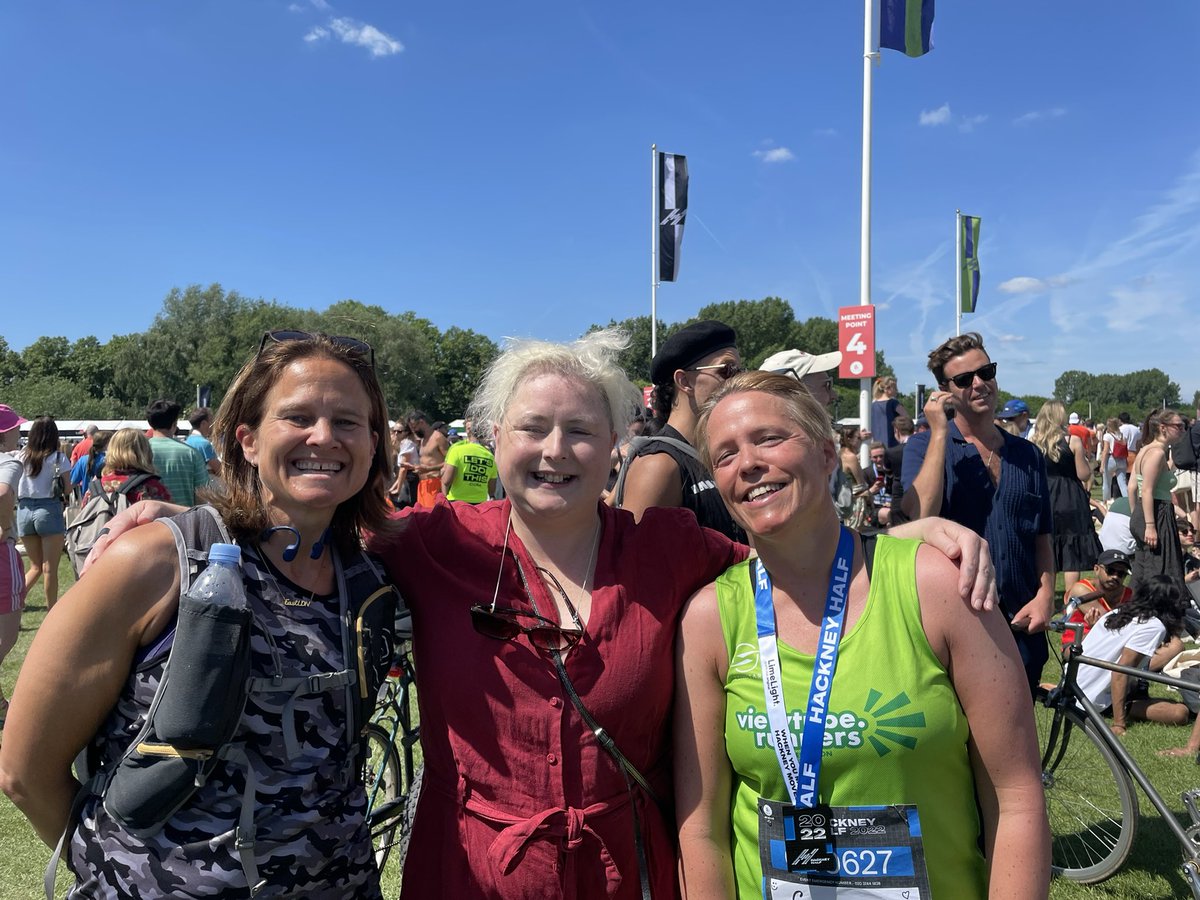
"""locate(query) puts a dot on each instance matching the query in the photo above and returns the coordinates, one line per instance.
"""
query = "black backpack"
(1186, 451)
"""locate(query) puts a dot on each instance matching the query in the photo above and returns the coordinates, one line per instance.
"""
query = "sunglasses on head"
(724, 371)
(505, 624)
(353, 345)
(966, 379)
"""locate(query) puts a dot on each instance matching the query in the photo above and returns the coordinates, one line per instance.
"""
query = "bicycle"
(1094, 816)
(393, 777)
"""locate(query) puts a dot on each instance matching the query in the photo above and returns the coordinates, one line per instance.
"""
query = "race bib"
(842, 852)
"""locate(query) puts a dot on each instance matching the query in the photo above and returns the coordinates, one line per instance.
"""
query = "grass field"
(1150, 874)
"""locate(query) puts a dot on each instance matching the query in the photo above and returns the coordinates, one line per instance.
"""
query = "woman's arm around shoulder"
(75, 670)
(985, 669)
(702, 774)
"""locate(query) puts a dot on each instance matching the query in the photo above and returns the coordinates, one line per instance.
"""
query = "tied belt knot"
(568, 826)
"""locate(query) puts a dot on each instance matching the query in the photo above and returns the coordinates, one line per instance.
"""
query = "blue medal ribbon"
(801, 776)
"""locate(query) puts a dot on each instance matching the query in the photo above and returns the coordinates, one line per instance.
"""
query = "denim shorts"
(40, 517)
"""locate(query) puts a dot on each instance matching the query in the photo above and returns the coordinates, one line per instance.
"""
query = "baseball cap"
(797, 363)
(689, 345)
(9, 419)
(1073, 419)
(1012, 409)
(1111, 558)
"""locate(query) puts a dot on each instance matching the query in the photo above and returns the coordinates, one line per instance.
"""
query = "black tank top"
(699, 491)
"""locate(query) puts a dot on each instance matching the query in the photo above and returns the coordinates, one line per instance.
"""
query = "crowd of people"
(611, 721)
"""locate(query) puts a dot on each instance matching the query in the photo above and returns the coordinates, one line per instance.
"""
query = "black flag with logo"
(672, 210)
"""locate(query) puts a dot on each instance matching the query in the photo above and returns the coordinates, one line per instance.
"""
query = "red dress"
(519, 799)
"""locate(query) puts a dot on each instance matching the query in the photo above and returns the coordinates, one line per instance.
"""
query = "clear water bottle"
(221, 582)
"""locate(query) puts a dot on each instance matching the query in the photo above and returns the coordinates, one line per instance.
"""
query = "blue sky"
(487, 165)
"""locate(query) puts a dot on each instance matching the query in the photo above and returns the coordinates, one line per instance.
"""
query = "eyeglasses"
(966, 379)
(506, 624)
(353, 345)
(1172, 424)
(1117, 571)
(724, 371)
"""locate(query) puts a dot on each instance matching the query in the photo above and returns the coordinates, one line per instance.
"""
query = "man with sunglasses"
(664, 470)
(1099, 593)
(968, 470)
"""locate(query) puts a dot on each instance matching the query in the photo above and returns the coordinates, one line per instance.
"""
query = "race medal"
(868, 852)
(795, 838)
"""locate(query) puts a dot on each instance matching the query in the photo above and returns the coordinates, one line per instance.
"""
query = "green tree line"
(202, 335)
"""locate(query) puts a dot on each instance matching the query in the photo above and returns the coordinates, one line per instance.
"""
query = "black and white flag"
(672, 210)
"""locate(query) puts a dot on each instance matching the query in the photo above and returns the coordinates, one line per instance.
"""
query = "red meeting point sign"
(856, 340)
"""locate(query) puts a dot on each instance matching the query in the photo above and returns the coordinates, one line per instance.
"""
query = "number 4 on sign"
(856, 340)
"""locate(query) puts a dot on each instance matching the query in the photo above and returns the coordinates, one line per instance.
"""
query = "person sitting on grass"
(1101, 593)
(1129, 636)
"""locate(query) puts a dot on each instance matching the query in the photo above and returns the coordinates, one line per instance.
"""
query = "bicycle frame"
(394, 715)
(1068, 690)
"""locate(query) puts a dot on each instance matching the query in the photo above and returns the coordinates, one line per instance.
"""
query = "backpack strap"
(205, 528)
(634, 450)
(135, 482)
(868, 547)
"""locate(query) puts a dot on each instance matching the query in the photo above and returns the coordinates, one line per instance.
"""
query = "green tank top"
(895, 733)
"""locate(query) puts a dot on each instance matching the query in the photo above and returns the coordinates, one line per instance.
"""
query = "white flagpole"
(870, 54)
(958, 268)
(653, 250)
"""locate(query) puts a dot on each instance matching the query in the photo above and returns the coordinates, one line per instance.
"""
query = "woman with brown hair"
(41, 505)
(302, 436)
(1152, 514)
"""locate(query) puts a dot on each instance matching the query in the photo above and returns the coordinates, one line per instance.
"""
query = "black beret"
(688, 345)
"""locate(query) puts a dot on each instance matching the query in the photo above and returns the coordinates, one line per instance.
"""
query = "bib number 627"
(864, 861)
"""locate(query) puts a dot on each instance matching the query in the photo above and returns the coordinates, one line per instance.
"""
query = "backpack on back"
(86, 525)
(1186, 450)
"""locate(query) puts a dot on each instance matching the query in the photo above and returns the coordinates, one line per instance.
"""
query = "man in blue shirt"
(966, 469)
(199, 439)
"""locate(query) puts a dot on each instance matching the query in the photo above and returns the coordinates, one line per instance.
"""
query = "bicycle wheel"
(384, 780)
(1089, 799)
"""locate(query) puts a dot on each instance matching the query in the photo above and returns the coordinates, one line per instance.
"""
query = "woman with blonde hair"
(1076, 546)
(797, 671)
(128, 455)
(884, 409)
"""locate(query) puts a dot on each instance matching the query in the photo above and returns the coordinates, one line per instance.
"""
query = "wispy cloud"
(1038, 115)
(360, 34)
(1025, 284)
(775, 155)
(939, 116)
(968, 123)
(826, 132)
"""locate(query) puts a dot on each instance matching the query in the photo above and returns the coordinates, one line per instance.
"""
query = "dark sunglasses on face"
(966, 379)
(724, 371)
(354, 345)
(1116, 571)
(506, 624)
